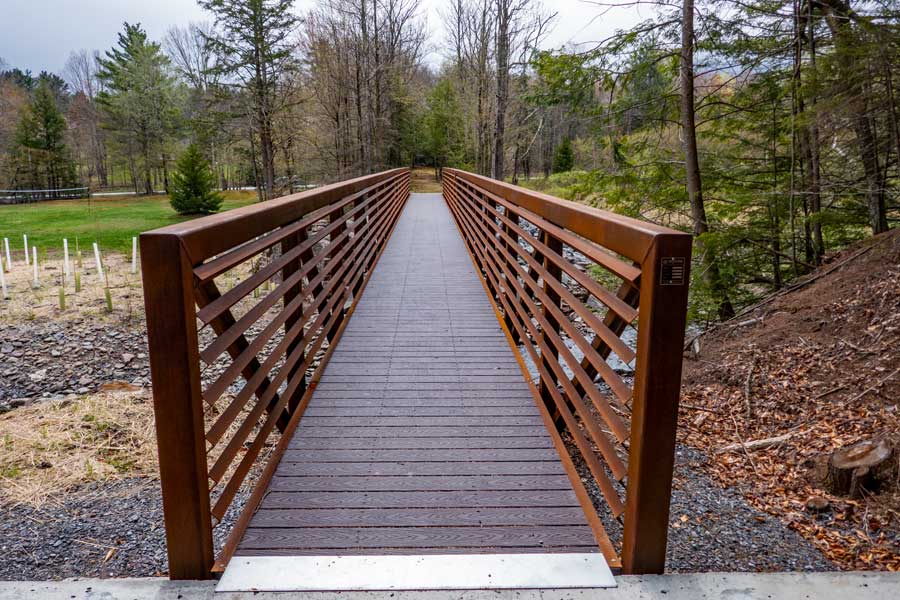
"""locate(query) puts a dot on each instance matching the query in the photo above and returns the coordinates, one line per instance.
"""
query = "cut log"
(858, 469)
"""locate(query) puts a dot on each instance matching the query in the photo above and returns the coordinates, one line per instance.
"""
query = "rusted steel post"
(289, 269)
(553, 269)
(178, 404)
(661, 322)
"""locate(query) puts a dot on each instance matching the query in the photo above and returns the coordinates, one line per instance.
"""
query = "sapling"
(77, 282)
(66, 268)
(97, 260)
(108, 294)
(8, 256)
(3, 281)
(62, 298)
(25, 243)
(34, 264)
(133, 255)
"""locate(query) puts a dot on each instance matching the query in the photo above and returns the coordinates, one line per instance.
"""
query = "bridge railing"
(573, 283)
(242, 308)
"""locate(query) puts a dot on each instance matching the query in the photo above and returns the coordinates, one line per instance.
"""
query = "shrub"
(193, 188)
(564, 157)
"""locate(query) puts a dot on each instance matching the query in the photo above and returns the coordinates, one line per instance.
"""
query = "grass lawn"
(110, 221)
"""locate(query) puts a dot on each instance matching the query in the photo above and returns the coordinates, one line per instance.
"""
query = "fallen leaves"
(814, 371)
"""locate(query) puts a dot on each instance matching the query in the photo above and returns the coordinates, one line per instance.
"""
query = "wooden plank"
(451, 447)
(450, 499)
(421, 432)
(423, 483)
(306, 469)
(417, 517)
(417, 537)
(452, 410)
(417, 455)
(417, 422)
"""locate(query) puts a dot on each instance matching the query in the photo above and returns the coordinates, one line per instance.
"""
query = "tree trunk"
(839, 22)
(503, 10)
(859, 469)
(145, 148)
(692, 163)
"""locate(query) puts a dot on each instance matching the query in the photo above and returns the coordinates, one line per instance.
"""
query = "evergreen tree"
(44, 160)
(254, 44)
(194, 185)
(141, 101)
(564, 158)
(443, 126)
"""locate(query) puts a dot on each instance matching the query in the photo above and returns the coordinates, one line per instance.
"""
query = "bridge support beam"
(178, 405)
(661, 322)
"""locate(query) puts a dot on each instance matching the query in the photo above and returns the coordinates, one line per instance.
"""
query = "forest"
(767, 128)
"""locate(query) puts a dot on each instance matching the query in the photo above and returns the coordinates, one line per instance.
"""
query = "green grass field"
(110, 221)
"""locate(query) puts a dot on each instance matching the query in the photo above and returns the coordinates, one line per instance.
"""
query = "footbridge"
(358, 387)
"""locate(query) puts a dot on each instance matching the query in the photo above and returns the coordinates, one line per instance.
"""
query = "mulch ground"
(818, 366)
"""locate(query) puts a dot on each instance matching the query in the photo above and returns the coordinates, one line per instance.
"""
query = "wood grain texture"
(418, 517)
(422, 436)
(418, 537)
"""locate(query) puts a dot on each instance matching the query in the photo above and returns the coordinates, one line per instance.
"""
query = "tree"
(40, 137)
(564, 158)
(141, 101)
(443, 126)
(520, 24)
(194, 184)
(83, 114)
(254, 45)
(692, 163)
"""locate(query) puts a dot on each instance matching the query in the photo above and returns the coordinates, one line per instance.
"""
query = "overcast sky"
(40, 34)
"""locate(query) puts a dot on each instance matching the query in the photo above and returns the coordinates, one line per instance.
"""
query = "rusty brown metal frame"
(487, 214)
(179, 263)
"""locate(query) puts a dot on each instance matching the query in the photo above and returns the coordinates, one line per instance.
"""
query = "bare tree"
(520, 26)
(81, 73)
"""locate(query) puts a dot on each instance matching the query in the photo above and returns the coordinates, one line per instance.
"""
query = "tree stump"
(858, 468)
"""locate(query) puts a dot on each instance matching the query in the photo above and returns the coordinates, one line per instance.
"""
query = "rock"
(817, 504)
(86, 380)
(38, 375)
(127, 358)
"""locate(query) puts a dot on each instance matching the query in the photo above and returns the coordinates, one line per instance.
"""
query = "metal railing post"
(178, 405)
(661, 321)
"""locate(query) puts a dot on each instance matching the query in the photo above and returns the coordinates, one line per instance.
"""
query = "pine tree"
(254, 43)
(141, 100)
(40, 138)
(194, 184)
(564, 158)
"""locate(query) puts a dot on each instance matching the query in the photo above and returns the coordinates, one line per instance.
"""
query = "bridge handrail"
(206, 288)
(527, 244)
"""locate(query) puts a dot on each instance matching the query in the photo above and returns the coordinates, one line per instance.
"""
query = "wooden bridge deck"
(422, 436)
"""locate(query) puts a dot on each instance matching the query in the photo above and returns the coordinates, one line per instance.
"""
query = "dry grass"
(422, 180)
(51, 447)
(27, 303)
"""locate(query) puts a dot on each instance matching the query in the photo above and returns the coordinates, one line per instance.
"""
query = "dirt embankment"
(771, 394)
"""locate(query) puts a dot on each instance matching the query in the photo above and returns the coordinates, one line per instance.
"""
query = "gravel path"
(103, 530)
